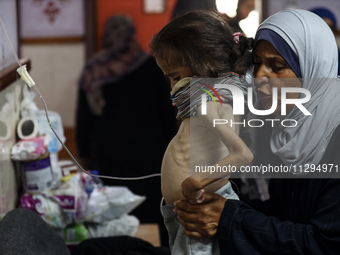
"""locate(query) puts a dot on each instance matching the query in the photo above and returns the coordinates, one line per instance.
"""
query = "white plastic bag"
(72, 198)
(124, 225)
(8, 186)
(47, 207)
(61, 206)
(111, 202)
(9, 115)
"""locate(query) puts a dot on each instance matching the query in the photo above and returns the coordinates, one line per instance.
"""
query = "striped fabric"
(188, 98)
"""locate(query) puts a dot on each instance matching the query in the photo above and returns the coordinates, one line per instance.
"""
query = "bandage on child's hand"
(192, 191)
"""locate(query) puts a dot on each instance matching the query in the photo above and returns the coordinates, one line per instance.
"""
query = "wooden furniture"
(10, 75)
(149, 233)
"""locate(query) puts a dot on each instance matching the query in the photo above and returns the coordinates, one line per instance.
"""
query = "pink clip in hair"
(237, 36)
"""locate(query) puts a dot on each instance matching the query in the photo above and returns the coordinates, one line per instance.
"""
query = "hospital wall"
(56, 67)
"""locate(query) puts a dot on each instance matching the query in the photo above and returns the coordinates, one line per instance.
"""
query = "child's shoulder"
(233, 78)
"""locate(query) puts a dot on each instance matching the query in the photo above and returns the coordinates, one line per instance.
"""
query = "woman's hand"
(200, 220)
(192, 191)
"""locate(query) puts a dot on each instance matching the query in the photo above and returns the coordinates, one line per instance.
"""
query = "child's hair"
(203, 41)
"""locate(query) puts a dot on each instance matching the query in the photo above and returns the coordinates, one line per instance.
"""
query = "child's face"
(173, 72)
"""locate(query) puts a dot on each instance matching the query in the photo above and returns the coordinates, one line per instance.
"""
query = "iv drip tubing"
(9, 42)
(75, 161)
(49, 123)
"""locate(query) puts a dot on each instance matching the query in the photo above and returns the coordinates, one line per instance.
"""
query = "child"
(200, 44)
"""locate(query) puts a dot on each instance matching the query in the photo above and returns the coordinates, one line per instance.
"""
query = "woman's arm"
(243, 230)
(201, 220)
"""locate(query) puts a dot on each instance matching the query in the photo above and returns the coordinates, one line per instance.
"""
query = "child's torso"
(194, 147)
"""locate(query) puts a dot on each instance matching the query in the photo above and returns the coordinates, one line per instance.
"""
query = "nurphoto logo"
(238, 105)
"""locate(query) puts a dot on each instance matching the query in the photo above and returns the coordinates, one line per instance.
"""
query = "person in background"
(244, 7)
(292, 48)
(329, 17)
(124, 118)
(183, 6)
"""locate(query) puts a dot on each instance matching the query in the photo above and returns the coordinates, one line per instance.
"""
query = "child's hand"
(192, 191)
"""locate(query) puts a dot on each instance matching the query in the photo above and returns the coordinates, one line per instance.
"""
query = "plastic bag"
(91, 182)
(30, 149)
(30, 112)
(72, 197)
(44, 128)
(9, 114)
(8, 186)
(111, 202)
(62, 206)
(124, 225)
(47, 207)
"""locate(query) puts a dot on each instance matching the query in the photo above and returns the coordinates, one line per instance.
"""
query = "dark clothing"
(118, 245)
(130, 138)
(23, 231)
(183, 6)
(302, 216)
(137, 124)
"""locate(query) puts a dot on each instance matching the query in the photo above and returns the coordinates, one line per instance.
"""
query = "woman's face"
(173, 72)
(268, 65)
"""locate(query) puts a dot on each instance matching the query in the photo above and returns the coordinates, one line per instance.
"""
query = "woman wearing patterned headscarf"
(121, 54)
(125, 118)
(293, 48)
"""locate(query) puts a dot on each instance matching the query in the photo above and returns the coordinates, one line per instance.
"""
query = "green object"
(74, 234)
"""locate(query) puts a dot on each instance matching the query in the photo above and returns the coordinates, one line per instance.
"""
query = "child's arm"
(240, 154)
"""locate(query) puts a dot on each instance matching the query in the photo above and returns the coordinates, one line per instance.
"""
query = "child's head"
(203, 42)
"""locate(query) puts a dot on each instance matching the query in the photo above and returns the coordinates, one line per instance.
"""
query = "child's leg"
(180, 243)
(171, 223)
(227, 192)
